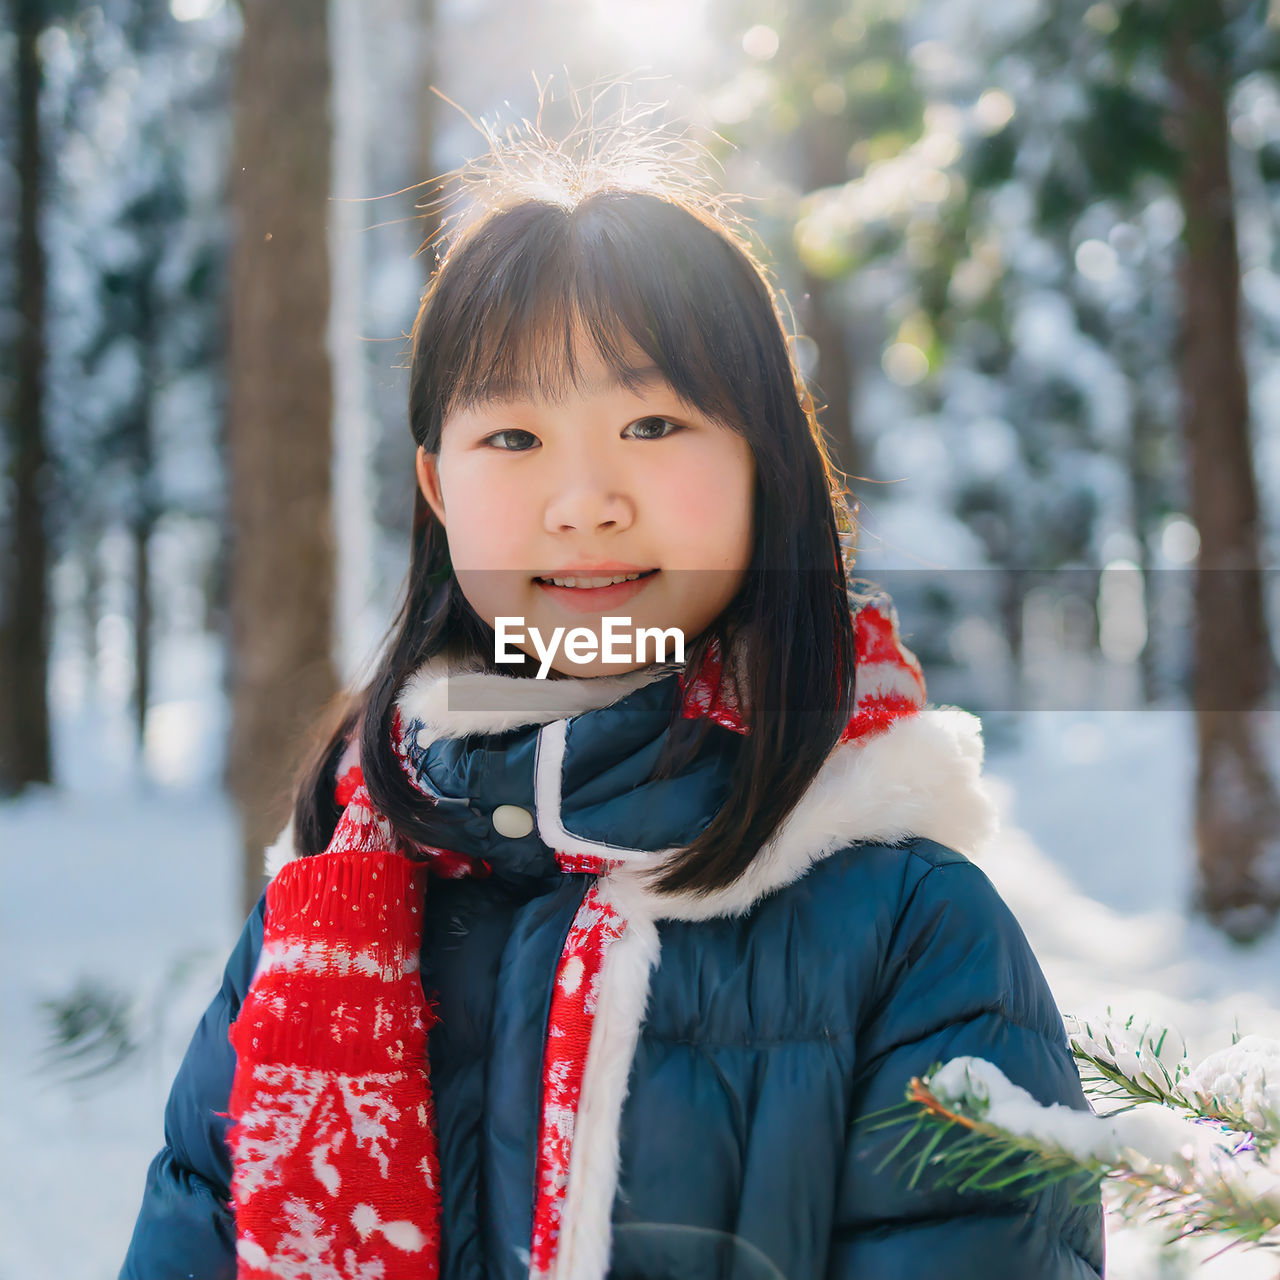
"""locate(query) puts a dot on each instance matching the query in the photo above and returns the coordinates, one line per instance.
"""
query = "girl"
(599, 975)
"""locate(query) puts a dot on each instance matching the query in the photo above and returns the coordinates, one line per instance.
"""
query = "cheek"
(486, 517)
(706, 504)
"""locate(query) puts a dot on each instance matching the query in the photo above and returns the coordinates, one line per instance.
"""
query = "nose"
(589, 499)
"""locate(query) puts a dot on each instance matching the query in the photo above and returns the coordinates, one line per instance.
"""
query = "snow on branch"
(1192, 1149)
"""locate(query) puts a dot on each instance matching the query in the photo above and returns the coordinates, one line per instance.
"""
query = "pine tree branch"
(1201, 1188)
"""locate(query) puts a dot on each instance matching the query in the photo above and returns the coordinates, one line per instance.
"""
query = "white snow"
(133, 885)
(1148, 1131)
(1198, 1163)
(1154, 1057)
(1244, 1077)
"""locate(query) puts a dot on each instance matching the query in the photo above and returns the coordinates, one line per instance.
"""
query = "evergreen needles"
(1193, 1150)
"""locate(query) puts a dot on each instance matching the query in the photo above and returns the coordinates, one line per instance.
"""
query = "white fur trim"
(279, 852)
(920, 777)
(350, 756)
(881, 679)
(458, 704)
(586, 1229)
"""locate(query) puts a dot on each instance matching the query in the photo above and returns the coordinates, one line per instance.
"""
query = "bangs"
(645, 282)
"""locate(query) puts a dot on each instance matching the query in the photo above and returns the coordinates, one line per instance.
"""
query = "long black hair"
(628, 268)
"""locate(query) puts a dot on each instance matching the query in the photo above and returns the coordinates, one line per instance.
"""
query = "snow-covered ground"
(136, 892)
(131, 885)
(135, 887)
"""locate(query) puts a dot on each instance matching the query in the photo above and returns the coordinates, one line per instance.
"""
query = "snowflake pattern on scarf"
(336, 1171)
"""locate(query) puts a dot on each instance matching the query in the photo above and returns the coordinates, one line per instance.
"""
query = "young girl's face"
(601, 483)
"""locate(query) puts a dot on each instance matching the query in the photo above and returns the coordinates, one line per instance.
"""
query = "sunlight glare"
(663, 31)
(905, 364)
(993, 110)
(194, 10)
(1097, 261)
(760, 43)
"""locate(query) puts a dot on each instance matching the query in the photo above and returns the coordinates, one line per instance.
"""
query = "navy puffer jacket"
(742, 1038)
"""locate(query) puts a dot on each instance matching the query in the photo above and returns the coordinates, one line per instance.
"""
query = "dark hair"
(629, 268)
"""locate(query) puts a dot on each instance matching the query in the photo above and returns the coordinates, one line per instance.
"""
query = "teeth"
(592, 582)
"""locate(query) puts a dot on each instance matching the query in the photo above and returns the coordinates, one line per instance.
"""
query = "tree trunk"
(824, 148)
(833, 378)
(89, 542)
(25, 754)
(1237, 816)
(280, 410)
(145, 508)
(1144, 494)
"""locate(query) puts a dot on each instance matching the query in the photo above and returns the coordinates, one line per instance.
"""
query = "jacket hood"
(571, 760)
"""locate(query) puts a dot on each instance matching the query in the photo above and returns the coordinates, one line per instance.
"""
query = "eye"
(664, 427)
(517, 441)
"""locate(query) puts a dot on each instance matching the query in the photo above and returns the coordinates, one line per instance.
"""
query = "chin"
(595, 670)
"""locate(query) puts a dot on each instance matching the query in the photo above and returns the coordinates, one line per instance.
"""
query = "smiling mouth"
(583, 582)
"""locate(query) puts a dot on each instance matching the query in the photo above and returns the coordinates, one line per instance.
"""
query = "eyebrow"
(634, 375)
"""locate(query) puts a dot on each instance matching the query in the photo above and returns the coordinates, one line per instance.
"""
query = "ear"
(427, 465)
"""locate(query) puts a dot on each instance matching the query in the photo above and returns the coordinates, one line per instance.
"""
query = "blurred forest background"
(1031, 249)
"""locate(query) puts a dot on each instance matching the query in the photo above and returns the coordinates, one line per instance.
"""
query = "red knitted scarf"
(336, 1171)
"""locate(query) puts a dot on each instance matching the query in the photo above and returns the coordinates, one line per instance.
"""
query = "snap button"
(512, 821)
